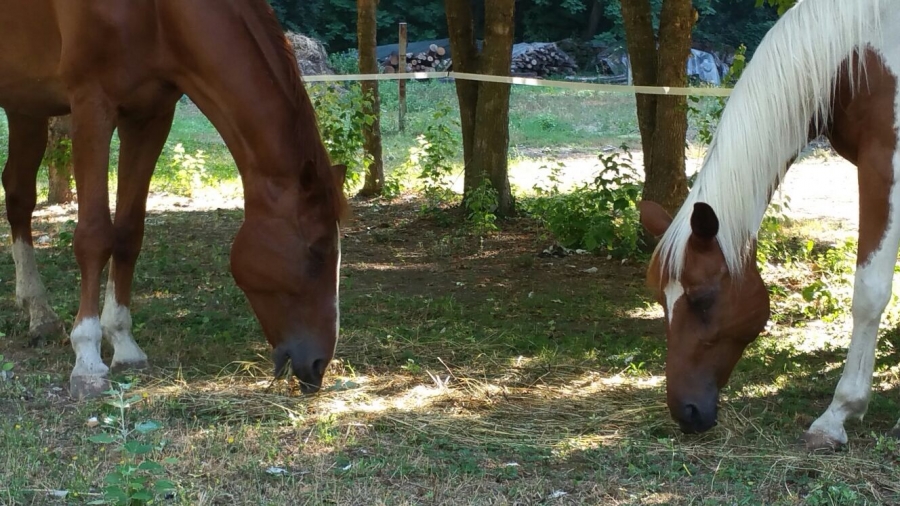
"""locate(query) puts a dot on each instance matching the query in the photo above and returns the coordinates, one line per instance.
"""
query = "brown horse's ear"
(340, 174)
(654, 218)
(704, 222)
(309, 177)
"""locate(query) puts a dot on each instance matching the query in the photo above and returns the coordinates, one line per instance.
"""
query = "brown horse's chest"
(44, 54)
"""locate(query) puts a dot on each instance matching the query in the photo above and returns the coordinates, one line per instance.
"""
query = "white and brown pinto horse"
(827, 66)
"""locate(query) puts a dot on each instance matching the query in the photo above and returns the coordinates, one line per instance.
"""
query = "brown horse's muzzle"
(308, 363)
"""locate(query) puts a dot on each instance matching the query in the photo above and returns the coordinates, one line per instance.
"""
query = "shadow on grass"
(462, 360)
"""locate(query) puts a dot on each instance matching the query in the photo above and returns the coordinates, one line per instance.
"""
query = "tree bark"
(662, 119)
(594, 19)
(59, 160)
(641, 43)
(368, 64)
(486, 141)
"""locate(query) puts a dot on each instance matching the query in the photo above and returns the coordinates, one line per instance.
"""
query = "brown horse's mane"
(268, 32)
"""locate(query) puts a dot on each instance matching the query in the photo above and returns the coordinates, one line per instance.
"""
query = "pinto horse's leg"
(879, 238)
(142, 141)
(27, 142)
(93, 122)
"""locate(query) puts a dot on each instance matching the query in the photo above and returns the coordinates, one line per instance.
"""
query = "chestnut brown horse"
(123, 65)
(827, 66)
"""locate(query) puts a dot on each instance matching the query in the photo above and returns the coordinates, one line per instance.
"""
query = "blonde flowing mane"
(786, 88)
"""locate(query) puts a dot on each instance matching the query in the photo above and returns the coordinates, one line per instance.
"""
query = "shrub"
(600, 216)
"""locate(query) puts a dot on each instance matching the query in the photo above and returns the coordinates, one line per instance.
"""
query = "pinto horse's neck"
(767, 122)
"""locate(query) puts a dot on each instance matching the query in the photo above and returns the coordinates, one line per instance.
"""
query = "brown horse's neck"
(249, 86)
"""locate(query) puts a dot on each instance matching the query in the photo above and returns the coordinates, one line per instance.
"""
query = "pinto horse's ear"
(654, 218)
(704, 222)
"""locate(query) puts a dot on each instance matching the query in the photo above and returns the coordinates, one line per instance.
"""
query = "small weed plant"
(138, 479)
(481, 207)
(184, 172)
(431, 158)
(600, 216)
(6, 366)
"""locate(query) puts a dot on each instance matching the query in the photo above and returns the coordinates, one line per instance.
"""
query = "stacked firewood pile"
(429, 61)
(536, 59)
(542, 59)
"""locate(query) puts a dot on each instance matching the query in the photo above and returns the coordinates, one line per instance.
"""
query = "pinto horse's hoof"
(820, 442)
(45, 333)
(87, 387)
(894, 433)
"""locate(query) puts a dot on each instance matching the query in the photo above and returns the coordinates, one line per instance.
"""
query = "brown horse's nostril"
(306, 362)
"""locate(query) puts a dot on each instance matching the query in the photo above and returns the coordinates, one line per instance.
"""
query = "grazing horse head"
(288, 268)
(711, 316)
(286, 255)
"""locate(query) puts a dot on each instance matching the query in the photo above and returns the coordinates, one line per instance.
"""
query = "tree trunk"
(665, 181)
(368, 64)
(594, 20)
(486, 141)
(59, 160)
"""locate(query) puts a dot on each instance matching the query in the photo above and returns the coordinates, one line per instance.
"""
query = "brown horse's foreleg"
(27, 141)
(92, 126)
(142, 142)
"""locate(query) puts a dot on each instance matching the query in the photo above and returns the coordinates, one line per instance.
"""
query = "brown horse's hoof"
(48, 332)
(125, 366)
(87, 387)
(820, 442)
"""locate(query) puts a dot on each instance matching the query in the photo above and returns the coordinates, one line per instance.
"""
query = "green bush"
(430, 159)
(340, 112)
(600, 216)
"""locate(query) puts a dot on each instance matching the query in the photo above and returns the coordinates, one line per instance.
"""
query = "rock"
(310, 53)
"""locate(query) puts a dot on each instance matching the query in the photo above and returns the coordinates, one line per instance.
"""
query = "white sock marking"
(31, 295)
(116, 324)
(86, 337)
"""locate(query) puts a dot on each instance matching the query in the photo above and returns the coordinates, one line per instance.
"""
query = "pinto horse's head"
(711, 316)
(286, 258)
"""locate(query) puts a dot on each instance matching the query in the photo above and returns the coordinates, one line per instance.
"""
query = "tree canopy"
(721, 22)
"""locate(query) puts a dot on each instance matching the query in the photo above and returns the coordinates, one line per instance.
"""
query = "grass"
(471, 370)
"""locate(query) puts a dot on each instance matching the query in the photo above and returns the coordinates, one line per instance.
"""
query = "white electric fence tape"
(526, 81)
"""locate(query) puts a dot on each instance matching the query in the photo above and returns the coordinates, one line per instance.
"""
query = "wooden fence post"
(402, 82)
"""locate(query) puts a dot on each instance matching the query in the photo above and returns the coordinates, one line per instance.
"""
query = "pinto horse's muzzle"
(695, 418)
(697, 411)
(307, 361)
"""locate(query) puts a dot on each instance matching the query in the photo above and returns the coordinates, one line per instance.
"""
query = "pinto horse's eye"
(702, 302)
